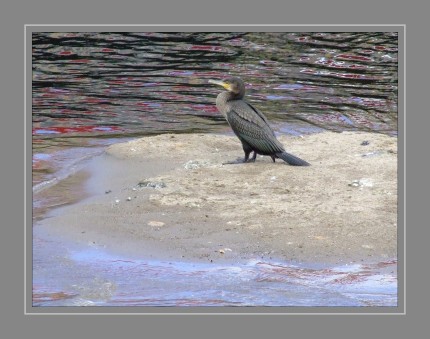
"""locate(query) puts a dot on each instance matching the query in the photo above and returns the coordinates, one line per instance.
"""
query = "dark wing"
(251, 126)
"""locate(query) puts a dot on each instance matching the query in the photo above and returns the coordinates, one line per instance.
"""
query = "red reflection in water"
(352, 278)
(51, 296)
(335, 64)
(353, 57)
(66, 53)
(148, 105)
(40, 165)
(77, 129)
(116, 82)
(387, 263)
(280, 273)
(339, 75)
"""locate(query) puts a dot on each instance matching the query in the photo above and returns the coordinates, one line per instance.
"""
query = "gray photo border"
(15, 14)
(152, 310)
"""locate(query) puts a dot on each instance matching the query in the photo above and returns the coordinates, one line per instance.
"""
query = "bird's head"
(233, 84)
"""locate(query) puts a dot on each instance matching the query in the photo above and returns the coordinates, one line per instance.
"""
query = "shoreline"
(170, 198)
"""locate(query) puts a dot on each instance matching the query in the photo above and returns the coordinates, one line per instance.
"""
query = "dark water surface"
(90, 90)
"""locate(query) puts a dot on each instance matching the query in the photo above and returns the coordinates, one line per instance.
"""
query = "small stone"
(154, 223)
(117, 201)
(108, 191)
(365, 143)
(372, 154)
(194, 164)
(151, 184)
(129, 199)
(364, 182)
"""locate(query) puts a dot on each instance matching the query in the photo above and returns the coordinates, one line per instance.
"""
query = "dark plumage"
(249, 124)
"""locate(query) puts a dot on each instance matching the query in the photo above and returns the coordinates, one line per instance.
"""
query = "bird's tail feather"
(292, 159)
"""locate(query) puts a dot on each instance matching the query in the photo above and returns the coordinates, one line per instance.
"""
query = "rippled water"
(147, 83)
(92, 89)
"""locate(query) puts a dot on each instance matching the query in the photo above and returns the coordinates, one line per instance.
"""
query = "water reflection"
(93, 84)
(91, 277)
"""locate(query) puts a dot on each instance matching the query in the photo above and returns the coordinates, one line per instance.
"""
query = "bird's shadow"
(238, 161)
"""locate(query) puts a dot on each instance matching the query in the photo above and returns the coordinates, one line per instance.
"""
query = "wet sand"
(169, 197)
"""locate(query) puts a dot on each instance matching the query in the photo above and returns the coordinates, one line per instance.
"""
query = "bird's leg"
(247, 149)
(254, 156)
(247, 152)
(273, 158)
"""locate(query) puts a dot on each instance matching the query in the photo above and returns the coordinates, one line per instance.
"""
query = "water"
(95, 84)
(90, 90)
(88, 276)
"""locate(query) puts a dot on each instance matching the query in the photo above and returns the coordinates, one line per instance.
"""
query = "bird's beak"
(221, 83)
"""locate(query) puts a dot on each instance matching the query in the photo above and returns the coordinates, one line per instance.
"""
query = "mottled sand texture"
(170, 197)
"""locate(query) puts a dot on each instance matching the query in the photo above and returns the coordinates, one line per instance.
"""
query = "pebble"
(151, 184)
(364, 182)
(372, 154)
(194, 164)
(223, 250)
(154, 223)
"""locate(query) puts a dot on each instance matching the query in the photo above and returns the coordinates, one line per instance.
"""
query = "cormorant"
(249, 124)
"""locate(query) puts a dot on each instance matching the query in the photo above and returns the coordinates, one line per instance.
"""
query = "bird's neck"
(225, 97)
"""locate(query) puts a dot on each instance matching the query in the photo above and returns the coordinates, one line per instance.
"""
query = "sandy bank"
(171, 197)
